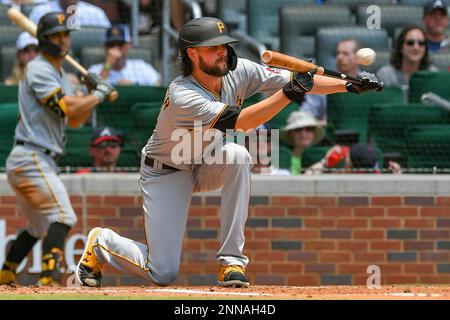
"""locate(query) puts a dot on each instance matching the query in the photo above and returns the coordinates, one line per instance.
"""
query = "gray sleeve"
(189, 108)
(260, 79)
(42, 81)
(387, 75)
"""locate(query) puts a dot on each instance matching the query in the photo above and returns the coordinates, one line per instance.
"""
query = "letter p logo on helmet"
(220, 26)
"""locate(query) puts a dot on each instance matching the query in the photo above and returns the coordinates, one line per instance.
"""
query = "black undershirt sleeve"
(227, 119)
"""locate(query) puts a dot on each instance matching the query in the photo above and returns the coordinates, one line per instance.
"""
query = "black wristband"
(293, 95)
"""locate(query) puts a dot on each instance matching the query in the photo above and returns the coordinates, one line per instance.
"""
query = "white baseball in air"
(365, 56)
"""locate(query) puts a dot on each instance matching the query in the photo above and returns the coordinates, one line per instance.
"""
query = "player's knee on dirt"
(165, 276)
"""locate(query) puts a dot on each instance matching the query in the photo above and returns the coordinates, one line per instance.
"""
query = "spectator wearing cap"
(302, 131)
(435, 21)
(87, 15)
(259, 144)
(106, 144)
(119, 70)
(359, 158)
(27, 50)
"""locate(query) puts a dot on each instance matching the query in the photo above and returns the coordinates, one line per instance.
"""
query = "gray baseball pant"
(167, 195)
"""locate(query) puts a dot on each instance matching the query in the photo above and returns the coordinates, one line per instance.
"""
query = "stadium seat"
(7, 60)
(351, 111)
(441, 61)
(353, 4)
(424, 81)
(233, 13)
(313, 155)
(328, 38)
(299, 24)
(87, 37)
(8, 121)
(285, 154)
(9, 34)
(117, 114)
(93, 55)
(428, 146)
(4, 20)
(382, 59)
(392, 16)
(419, 3)
(388, 123)
(280, 120)
(144, 117)
(8, 94)
(76, 153)
(263, 19)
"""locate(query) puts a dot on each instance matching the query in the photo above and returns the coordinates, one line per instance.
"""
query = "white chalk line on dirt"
(209, 292)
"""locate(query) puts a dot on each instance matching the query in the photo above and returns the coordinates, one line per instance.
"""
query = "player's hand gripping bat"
(26, 24)
(283, 61)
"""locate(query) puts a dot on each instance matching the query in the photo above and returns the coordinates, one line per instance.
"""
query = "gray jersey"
(38, 124)
(188, 101)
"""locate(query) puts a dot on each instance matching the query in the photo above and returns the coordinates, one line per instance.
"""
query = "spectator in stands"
(316, 104)
(302, 130)
(27, 50)
(410, 55)
(87, 15)
(359, 158)
(259, 144)
(119, 70)
(435, 20)
(106, 144)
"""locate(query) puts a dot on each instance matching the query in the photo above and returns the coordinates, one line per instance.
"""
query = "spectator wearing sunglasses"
(106, 144)
(117, 68)
(27, 50)
(410, 55)
(435, 21)
(301, 131)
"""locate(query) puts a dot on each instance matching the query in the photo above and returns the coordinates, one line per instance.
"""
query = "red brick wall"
(296, 240)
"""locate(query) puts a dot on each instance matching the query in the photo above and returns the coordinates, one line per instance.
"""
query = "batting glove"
(300, 83)
(102, 90)
(369, 82)
(91, 80)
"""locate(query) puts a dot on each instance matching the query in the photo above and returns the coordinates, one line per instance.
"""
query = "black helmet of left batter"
(51, 23)
(207, 31)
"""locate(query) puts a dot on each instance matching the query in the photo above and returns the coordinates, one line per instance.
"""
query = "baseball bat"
(26, 24)
(283, 61)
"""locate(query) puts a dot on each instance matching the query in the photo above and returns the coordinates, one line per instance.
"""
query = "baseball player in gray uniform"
(207, 96)
(46, 104)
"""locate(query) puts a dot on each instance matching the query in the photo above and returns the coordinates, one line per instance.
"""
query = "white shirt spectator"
(88, 14)
(137, 71)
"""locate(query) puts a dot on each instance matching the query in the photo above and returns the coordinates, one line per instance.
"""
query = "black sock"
(19, 250)
(52, 249)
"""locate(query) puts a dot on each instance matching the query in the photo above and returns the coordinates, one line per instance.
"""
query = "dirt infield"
(388, 292)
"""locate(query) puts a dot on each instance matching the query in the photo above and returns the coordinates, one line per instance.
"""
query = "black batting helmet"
(51, 23)
(206, 32)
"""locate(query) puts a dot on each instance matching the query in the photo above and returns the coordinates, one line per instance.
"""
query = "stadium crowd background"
(394, 125)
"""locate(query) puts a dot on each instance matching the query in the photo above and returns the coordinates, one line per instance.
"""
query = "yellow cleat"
(232, 276)
(7, 277)
(89, 270)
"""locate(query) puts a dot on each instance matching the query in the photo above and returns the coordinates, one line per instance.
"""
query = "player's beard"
(217, 70)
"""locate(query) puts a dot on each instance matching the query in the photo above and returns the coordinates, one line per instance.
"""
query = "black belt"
(150, 162)
(48, 152)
